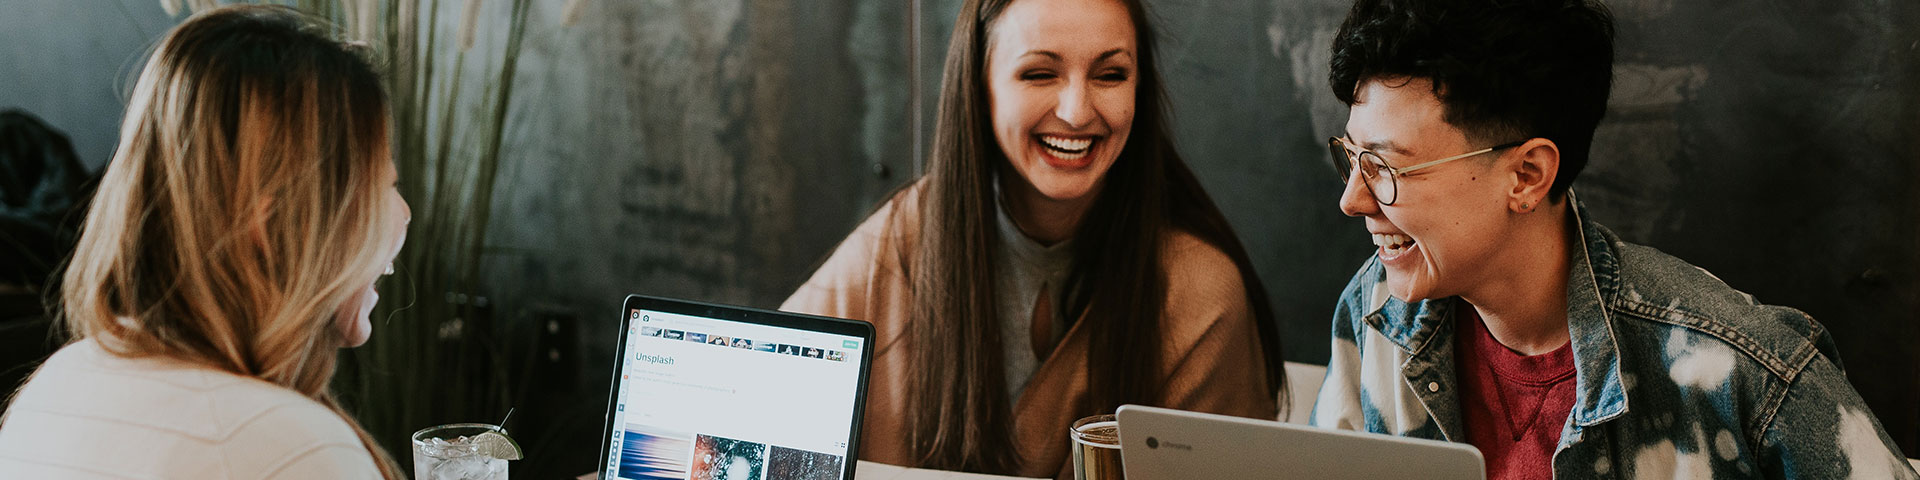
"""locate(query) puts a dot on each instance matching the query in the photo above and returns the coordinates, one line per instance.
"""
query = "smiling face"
(1061, 76)
(1444, 232)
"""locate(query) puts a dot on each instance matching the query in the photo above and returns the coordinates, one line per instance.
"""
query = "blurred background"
(717, 150)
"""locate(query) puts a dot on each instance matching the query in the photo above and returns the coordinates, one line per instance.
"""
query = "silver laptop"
(1158, 443)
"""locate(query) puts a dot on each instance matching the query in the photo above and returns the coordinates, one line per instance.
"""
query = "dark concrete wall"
(707, 150)
(717, 150)
(72, 63)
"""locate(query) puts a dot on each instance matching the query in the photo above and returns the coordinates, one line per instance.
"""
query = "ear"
(1536, 166)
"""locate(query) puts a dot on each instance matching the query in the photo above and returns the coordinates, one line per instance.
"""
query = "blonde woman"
(231, 250)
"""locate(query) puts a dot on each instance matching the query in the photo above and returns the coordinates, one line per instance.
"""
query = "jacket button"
(1433, 386)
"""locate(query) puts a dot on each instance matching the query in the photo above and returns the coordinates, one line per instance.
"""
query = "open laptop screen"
(711, 392)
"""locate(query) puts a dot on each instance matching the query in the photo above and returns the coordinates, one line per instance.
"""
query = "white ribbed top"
(89, 414)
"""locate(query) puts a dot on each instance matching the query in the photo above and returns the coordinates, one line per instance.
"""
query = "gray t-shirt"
(1025, 270)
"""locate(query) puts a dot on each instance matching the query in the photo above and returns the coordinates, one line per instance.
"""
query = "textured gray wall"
(705, 149)
(717, 150)
(71, 63)
(713, 150)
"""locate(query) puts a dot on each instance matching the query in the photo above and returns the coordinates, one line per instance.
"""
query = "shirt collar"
(1025, 250)
(1592, 282)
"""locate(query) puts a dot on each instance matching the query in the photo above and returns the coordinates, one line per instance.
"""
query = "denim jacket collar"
(1592, 280)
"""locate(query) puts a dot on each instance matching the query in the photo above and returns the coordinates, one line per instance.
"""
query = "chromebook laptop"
(712, 391)
(1161, 443)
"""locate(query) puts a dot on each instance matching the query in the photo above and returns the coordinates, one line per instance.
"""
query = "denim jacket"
(1677, 375)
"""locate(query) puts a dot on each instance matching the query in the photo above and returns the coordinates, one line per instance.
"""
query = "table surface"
(866, 470)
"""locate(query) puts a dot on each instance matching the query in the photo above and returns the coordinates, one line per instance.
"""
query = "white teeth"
(389, 269)
(1392, 245)
(1067, 148)
(1387, 240)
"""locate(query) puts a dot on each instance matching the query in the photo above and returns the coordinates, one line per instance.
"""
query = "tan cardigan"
(1214, 362)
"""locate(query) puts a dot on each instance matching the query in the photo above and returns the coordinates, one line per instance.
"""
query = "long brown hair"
(960, 416)
(242, 210)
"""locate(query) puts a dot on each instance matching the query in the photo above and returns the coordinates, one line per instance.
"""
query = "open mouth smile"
(1066, 148)
(1392, 246)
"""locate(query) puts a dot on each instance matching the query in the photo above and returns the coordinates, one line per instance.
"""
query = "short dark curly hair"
(1503, 69)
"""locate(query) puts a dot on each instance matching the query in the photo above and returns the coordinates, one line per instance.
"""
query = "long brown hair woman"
(229, 253)
(1057, 260)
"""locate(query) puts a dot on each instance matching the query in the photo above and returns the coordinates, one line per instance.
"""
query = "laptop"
(709, 391)
(1162, 443)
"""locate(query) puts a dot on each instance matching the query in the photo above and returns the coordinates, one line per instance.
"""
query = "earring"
(1526, 206)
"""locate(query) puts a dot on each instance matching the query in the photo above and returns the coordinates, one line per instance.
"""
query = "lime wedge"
(497, 445)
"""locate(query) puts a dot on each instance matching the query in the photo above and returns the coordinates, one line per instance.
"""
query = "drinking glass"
(1096, 448)
(453, 452)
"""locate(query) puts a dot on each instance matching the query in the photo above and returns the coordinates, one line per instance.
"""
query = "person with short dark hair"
(1497, 313)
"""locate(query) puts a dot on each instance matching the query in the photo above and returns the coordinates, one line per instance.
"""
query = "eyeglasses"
(1382, 180)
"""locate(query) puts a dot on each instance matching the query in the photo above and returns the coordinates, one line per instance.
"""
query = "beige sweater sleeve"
(1215, 362)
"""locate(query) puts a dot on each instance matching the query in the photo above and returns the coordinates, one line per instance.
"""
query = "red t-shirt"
(1513, 405)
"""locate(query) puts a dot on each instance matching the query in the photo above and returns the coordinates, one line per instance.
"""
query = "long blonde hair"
(242, 211)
